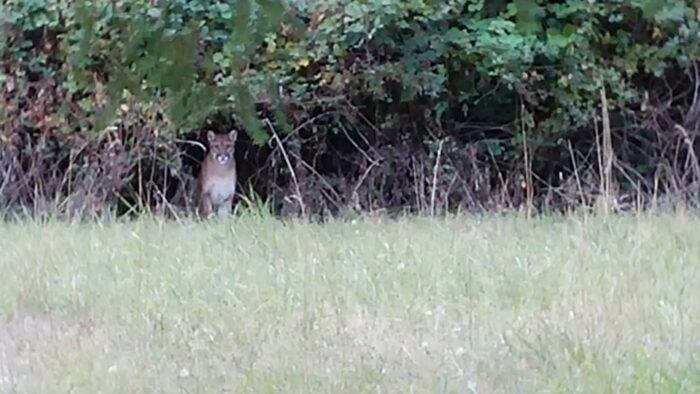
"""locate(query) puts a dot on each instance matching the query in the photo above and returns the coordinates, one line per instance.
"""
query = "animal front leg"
(205, 207)
(224, 209)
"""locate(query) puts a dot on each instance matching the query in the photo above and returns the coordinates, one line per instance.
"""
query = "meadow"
(462, 304)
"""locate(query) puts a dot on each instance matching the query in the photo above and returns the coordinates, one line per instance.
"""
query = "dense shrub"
(368, 104)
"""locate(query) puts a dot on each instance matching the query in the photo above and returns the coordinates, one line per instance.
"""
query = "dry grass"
(468, 304)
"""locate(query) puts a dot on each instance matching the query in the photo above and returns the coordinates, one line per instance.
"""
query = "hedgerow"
(368, 104)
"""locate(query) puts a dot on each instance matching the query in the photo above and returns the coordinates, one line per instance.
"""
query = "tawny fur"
(216, 185)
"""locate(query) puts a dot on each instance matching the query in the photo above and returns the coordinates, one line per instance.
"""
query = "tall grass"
(253, 304)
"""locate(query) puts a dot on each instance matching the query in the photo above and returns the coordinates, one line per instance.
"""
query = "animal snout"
(222, 158)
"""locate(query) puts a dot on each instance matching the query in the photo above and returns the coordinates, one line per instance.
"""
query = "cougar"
(216, 185)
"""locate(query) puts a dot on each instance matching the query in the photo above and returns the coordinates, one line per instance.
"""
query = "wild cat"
(216, 184)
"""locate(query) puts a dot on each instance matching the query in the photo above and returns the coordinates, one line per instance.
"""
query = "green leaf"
(569, 30)
(154, 12)
(354, 10)
(456, 36)
(528, 15)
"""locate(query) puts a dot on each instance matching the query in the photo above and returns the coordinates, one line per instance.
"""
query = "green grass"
(252, 304)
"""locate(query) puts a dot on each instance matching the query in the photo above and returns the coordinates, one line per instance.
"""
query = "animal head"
(222, 146)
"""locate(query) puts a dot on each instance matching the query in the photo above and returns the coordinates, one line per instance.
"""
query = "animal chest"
(221, 188)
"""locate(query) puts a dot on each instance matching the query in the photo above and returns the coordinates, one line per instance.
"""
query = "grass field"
(459, 305)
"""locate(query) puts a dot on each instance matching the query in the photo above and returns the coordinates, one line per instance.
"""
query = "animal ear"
(233, 134)
(210, 135)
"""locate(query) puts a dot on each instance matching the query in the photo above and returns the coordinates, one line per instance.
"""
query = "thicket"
(350, 104)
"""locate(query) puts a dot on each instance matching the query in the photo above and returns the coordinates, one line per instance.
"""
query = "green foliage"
(441, 63)
(172, 50)
(456, 55)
